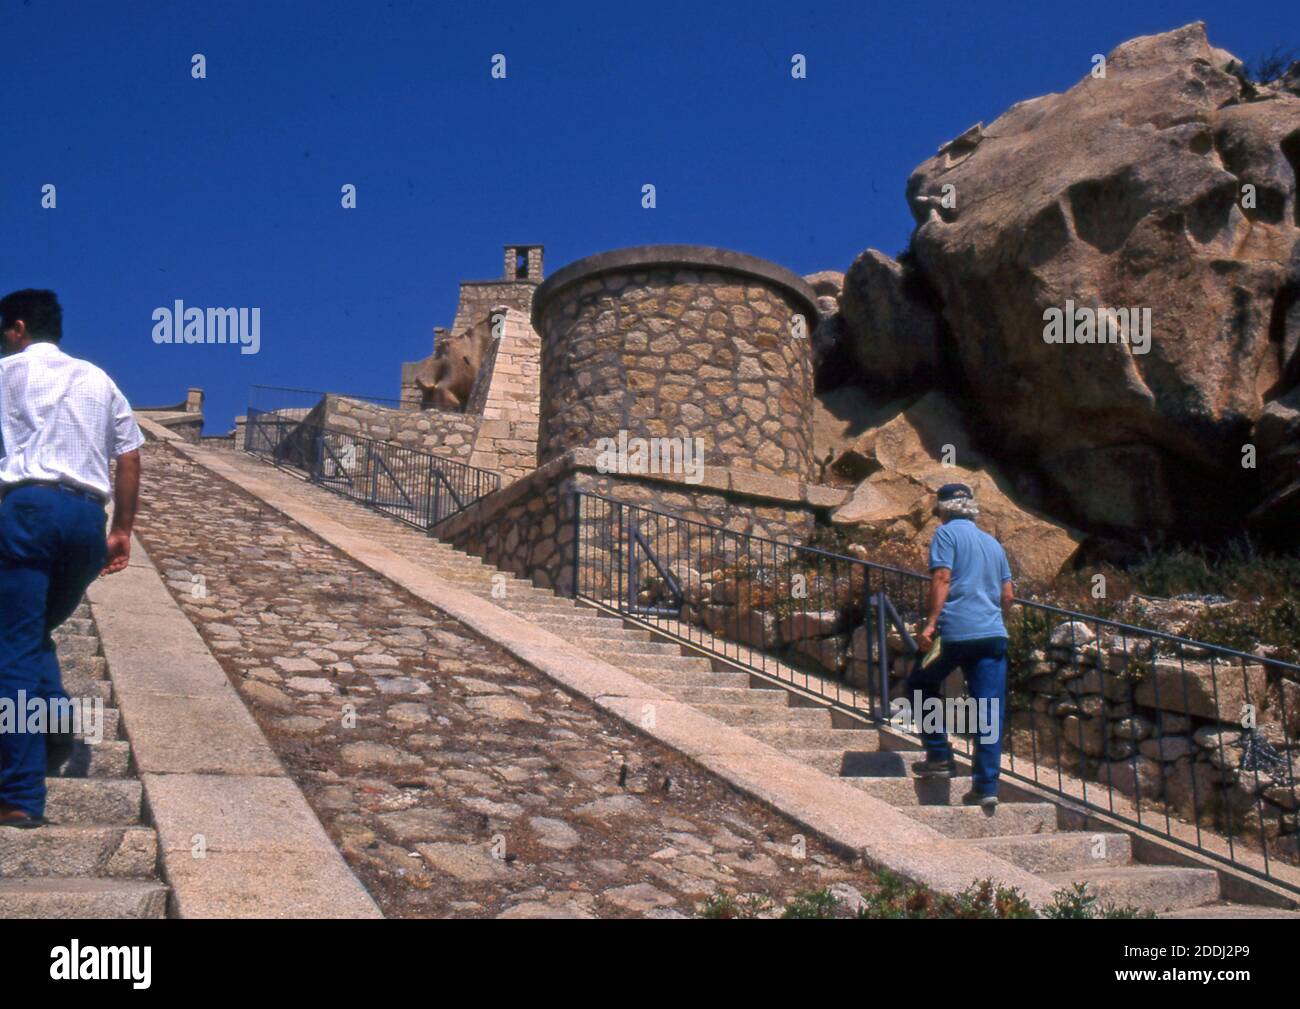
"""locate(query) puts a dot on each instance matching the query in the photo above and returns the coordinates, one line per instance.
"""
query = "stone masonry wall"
(506, 395)
(434, 431)
(479, 297)
(678, 342)
(528, 527)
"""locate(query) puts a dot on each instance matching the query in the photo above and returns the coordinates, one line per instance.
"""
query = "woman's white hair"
(957, 508)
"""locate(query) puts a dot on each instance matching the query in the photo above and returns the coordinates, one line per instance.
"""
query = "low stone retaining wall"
(434, 431)
(1159, 722)
(1170, 725)
(528, 528)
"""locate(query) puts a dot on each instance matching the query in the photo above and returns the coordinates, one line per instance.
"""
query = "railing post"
(317, 471)
(620, 552)
(577, 539)
(882, 647)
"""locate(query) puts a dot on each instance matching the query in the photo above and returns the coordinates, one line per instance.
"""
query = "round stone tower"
(679, 341)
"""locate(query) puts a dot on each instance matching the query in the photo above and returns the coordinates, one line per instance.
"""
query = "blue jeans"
(52, 545)
(983, 662)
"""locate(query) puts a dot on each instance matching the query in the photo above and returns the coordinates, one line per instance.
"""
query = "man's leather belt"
(66, 488)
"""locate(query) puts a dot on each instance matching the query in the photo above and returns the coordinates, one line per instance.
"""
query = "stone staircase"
(1026, 833)
(98, 858)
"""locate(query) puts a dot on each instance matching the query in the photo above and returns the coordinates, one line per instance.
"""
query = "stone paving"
(455, 780)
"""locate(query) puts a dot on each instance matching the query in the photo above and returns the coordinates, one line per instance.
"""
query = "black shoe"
(973, 798)
(77, 764)
(58, 748)
(929, 768)
(66, 756)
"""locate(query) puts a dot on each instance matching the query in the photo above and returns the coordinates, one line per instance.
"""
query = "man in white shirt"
(61, 421)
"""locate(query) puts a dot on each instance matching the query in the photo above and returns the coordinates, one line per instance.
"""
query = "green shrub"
(893, 897)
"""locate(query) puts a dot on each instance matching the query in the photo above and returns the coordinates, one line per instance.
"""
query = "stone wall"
(1164, 720)
(528, 527)
(506, 397)
(479, 297)
(433, 431)
(679, 341)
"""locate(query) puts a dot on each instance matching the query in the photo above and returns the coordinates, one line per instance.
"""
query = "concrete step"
(82, 612)
(1220, 911)
(90, 666)
(787, 738)
(693, 678)
(94, 800)
(577, 622)
(1060, 852)
(524, 605)
(617, 644)
(110, 759)
(112, 725)
(1151, 887)
(78, 686)
(1009, 818)
(665, 663)
(726, 695)
(768, 714)
(467, 579)
(911, 791)
(82, 898)
(74, 625)
(79, 850)
(854, 763)
(78, 644)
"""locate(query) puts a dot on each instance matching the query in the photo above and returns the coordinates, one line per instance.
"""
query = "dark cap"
(955, 492)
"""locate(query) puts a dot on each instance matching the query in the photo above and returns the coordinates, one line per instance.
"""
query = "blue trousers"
(983, 662)
(52, 545)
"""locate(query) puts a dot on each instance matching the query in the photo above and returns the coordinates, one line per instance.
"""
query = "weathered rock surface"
(829, 333)
(1125, 191)
(893, 334)
(909, 451)
(1277, 440)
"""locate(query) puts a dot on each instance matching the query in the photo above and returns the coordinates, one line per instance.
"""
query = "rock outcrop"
(1168, 186)
(893, 335)
(829, 336)
(914, 454)
(1277, 440)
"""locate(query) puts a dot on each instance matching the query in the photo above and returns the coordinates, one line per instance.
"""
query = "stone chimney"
(523, 262)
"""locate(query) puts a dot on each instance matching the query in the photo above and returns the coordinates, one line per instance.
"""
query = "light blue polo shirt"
(979, 567)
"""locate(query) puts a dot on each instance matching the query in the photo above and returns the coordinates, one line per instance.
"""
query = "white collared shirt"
(61, 419)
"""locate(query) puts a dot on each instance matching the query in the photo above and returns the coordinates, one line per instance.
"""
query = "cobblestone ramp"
(1026, 834)
(99, 856)
(457, 751)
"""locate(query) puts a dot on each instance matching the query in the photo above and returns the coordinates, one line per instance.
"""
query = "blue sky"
(226, 191)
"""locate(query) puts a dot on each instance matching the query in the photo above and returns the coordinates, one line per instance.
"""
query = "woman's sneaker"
(973, 798)
(929, 768)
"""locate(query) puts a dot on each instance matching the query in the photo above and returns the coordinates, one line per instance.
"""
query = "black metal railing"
(1193, 742)
(417, 487)
(282, 399)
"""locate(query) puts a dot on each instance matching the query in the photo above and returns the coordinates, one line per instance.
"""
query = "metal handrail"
(747, 626)
(413, 479)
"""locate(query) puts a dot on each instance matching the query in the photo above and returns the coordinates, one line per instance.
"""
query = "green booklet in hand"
(933, 653)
